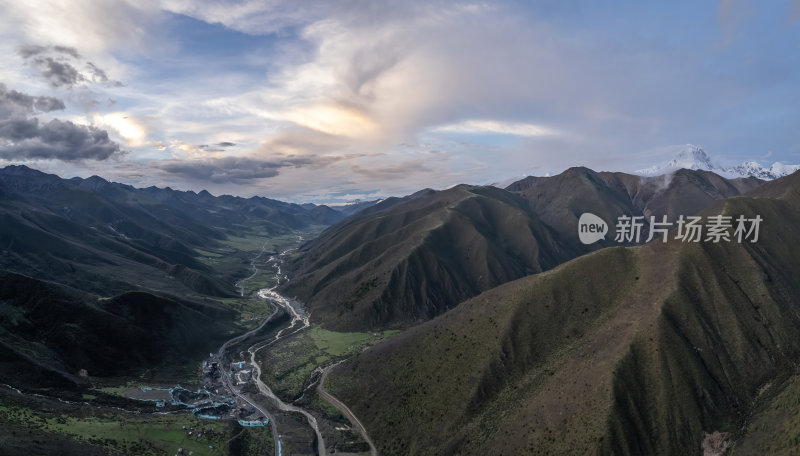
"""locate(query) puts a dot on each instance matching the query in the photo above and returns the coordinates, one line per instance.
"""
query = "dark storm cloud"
(29, 50)
(57, 72)
(97, 74)
(18, 104)
(239, 169)
(218, 147)
(59, 65)
(56, 139)
(67, 50)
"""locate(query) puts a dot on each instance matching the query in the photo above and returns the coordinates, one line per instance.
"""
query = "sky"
(334, 100)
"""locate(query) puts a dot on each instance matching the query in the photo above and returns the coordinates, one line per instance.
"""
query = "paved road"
(226, 380)
(299, 322)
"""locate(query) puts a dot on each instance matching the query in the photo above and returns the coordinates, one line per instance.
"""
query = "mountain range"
(694, 157)
(406, 260)
(516, 338)
(665, 348)
(111, 279)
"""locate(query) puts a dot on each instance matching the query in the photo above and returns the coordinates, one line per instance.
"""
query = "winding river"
(299, 322)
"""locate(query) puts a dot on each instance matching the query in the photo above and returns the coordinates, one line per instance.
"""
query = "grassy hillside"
(419, 257)
(124, 282)
(407, 260)
(629, 350)
(560, 200)
(108, 238)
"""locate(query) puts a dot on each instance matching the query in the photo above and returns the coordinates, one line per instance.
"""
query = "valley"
(399, 228)
(222, 395)
(463, 321)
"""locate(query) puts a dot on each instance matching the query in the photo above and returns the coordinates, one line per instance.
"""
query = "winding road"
(299, 322)
(344, 409)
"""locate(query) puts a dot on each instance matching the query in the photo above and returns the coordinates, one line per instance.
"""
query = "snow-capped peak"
(781, 169)
(694, 157)
(691, 157)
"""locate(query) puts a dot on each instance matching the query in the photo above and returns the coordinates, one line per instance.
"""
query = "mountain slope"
(122, 281)
(641, 350)
(107, 238)
(407, 260)
(49, 332)
(560, 200)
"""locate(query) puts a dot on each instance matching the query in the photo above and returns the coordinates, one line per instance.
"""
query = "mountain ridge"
(471, 238)
(627, 350)
(695, 158)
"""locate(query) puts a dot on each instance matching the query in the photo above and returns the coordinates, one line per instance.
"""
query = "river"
(299, 322)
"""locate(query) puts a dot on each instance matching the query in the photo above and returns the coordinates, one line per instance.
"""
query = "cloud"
(378, 76)
(333, 120)
(91, 26)
(58, 73)
(255, 16)
(497, 127)
(206, 150)
(238, 169)
(395, 171)
(18, 104)
(132, 129)
(29, 50)
(59, 65)
(355, 77)
(98, 74)
(188, 150)
(30, 139)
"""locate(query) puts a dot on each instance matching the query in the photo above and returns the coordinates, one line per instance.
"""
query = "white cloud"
(497, 127)
(91, 26)
(359, 78)
(131, 129)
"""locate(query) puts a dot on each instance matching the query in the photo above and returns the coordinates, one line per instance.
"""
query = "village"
(227, 401)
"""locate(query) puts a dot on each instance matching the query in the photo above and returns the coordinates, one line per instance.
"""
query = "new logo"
(591, 228)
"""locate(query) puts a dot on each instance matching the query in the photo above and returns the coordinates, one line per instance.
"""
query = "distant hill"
(406, 260)
(108, 278)
(106, 237)
(627, 350)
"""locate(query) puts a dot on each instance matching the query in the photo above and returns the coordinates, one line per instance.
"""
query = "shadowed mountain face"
(628, 350)
(72, 251)
(49, 332)
(107, 238)
(406, 260)
(409, 260)
(560, 200)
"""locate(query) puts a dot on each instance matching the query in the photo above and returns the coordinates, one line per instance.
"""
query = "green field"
(132, 435)
(250, 309)
(233, 260)
(342, 343)
(289, 363)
